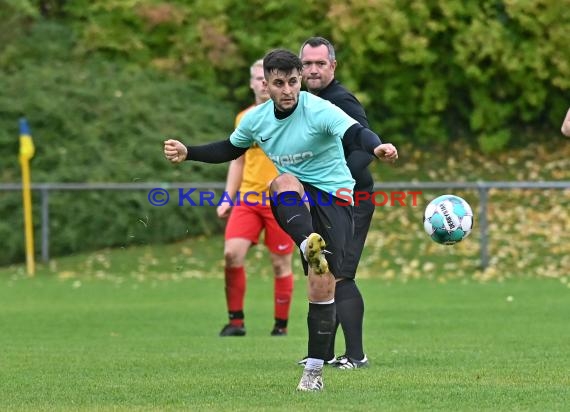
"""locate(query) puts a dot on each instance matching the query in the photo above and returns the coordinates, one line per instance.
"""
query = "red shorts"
(247, 222)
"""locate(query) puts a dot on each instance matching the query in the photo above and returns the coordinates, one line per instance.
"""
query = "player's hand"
(386, 152)
(224, 210)
(175, 151)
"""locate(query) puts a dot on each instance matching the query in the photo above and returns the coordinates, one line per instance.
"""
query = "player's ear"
(333, 65)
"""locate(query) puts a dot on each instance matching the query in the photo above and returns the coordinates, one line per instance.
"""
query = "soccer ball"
(448, 219)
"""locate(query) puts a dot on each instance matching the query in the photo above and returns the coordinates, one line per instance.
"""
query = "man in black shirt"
(319, 63)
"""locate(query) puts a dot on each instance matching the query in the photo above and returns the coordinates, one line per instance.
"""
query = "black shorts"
(353, 251)
(334, 223)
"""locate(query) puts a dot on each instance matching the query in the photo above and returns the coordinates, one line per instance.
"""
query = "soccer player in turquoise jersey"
(302, 135)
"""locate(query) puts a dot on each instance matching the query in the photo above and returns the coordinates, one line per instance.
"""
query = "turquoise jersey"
(306, 144)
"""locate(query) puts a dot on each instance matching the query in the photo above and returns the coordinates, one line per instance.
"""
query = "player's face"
(318, 69)
(257, 84)
(284, 89)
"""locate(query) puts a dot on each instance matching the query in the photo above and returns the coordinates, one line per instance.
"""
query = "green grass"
(136, 329)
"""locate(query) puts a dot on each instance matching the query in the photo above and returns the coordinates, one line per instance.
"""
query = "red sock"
(282, 295)
(235, 293)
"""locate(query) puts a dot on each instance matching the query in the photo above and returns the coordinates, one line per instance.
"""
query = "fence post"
(45, 223)
(483, 226)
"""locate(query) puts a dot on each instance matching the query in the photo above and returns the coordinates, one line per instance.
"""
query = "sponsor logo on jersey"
(291, 159)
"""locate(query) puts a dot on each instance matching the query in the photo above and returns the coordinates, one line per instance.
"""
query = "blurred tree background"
(103, 82)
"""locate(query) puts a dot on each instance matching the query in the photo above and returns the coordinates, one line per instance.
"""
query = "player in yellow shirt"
(251, 173)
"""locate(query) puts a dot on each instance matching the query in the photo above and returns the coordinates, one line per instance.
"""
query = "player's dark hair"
(281, 60)
(319, 41)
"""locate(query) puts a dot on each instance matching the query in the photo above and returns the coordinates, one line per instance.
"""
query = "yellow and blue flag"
(27, 148)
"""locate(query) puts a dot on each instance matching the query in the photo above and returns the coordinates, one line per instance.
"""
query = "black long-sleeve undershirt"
(217, 152)
(361, 137)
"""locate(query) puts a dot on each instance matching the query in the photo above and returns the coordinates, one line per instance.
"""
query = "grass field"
(136, 329)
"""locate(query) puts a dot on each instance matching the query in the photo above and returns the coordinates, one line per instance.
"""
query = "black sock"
(292, 215)
(350, 313)
(320, 320)
(281, 323)
(238, 314)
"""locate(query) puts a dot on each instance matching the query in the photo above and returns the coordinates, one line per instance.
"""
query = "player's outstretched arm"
(370, 142)
(175, 151)
(217, 152)
(566, 124)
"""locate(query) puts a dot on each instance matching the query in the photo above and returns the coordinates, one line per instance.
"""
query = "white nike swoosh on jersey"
(282, 247)
(291, 218)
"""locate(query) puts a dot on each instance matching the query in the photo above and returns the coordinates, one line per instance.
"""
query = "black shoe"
(231, 330)
(279, 331)
(344, 362)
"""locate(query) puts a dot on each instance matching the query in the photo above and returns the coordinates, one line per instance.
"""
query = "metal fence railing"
(482, 188)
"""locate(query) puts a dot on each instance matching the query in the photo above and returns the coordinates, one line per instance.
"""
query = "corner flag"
(27, 151)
